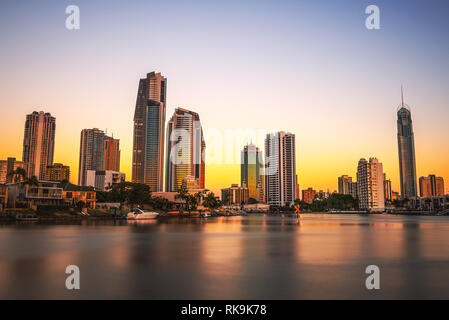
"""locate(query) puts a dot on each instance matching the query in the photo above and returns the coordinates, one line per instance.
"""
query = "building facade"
(343, 184)
(280, 169)
(103, 179)
(38, 143)
(388, 192)
(91, 153)
(353, 189)
(111, 154)
(308, 195)
(57, 172)
(8, 166)
(251, 171)
(235, 195)
(149, 131)
(185, 150)
(431, 186)
(370, 180)
(406, 150)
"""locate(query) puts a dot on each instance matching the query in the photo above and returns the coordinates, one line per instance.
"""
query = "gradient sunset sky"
(307, 67)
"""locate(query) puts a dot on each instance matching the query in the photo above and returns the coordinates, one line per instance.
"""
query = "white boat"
(139, 214)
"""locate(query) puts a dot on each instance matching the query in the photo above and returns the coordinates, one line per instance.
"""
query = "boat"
(139, 214)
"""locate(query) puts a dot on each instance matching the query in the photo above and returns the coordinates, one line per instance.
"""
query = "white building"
(370, 183)
(280, 169)
(103, 179)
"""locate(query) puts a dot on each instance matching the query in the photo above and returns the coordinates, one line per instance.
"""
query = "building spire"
(402, 95)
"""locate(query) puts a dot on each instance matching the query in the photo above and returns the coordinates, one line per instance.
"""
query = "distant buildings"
(191, 183)
(280, 169)
(102, 179)
(7, 166)
(235, 195)
(91, 153)
(98, 152)
(185, 149)
(308, 195)
(406, 149)
(353, 189)
(387, 189)
(111, 158)
(38, 143)
(431, 186)
(149, 131)
(3, 196)
(343, 184)
(370, 180)
(57, 172)
(251, 171)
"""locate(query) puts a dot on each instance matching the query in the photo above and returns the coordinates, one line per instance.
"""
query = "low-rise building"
(73, 194)
(45, 193)
(3, 196)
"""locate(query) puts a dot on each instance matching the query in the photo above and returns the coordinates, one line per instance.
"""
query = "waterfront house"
(72, 194)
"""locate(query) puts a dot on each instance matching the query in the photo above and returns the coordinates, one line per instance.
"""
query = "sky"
(247, 67)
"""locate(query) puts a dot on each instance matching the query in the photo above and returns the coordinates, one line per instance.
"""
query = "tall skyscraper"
(280, 169)
(370, 183)
(251, 171)
(406, 150)
(91, 153)
(185, 150)
(111, 159)
(7, 166)
(149, 131)
(38, 143)
(431, 186)
(343, 184)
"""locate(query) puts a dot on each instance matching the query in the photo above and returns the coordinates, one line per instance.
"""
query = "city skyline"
(307, 90)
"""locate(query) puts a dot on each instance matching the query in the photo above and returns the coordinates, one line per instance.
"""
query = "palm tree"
(17, 175)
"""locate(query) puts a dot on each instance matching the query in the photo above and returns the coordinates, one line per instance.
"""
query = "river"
(319, 256)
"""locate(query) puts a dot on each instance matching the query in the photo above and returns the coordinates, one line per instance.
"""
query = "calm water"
(254, 257)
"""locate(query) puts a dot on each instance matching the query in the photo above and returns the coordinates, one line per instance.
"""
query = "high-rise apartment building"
(111, 154)
(353, 189)
(280, 169)
(235, 194)
(343, 184)
(91, 153)
(149, 131)
(308, 195)
(38, 143)
(431, 186)
(57, 172)
(7, 166)
(251, 171)
(370, 183)
(406, 150)
(185, 150)
(387, 189)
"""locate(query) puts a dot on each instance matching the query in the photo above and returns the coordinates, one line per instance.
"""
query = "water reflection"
(252, 257)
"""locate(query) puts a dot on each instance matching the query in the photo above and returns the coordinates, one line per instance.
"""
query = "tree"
(210, 201)
(252, 201)
(17, 175)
